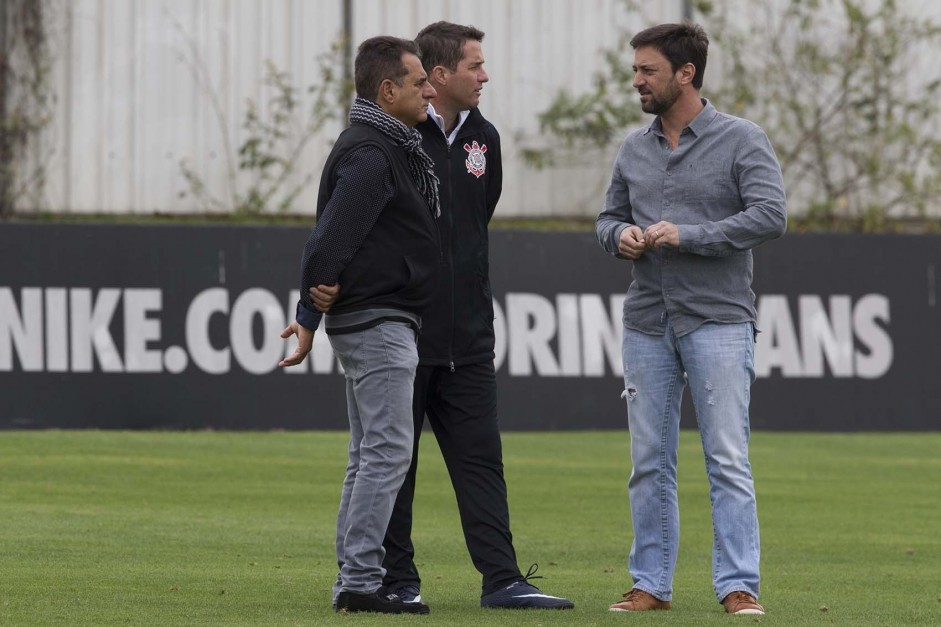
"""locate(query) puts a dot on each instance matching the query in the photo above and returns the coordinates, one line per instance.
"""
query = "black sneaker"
(379, 601)
(409, 593)
(523, 595)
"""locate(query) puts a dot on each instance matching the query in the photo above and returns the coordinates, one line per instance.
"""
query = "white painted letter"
(601, 334)
(878, 358)
(777, 345)
(206, 303)
(570, 352)
(819, 337)
(263, 303)
(57, 329)
(139, 330)
(531, 325)
(21, 331)
(91, 322)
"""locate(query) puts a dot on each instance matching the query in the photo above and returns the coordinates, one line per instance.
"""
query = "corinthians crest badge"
(476, 161)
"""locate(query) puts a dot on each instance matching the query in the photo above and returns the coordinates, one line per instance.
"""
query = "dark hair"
(442, 43)
(680, 44)
(378, 59)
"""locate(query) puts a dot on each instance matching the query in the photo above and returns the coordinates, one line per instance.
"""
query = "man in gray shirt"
(690, 196)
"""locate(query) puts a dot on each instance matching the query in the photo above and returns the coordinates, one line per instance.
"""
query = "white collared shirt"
(440, 122)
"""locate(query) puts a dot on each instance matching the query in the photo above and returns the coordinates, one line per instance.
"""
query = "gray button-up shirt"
(723, 188)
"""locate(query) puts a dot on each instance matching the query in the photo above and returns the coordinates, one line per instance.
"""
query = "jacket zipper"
(450, 253)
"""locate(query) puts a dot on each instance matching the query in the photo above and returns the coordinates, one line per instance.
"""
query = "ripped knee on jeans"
(629, 393)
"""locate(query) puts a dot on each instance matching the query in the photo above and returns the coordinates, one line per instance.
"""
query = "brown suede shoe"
(639, 601)
(742, 604)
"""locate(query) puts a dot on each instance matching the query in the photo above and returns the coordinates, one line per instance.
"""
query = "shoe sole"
(346, 610)
(560, 606)
(531, 607)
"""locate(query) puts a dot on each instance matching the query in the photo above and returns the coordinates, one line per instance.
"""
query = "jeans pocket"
(348, 348)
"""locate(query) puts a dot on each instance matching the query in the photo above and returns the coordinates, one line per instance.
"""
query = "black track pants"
(461, 407)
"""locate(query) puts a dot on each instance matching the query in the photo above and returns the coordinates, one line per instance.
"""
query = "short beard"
(659, 106)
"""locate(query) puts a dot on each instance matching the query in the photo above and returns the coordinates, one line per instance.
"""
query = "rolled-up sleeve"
(761, 190)
(617, 214)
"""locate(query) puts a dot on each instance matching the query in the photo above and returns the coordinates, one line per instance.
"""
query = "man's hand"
(324, 296)
(662, 233)
(305, 342)
(631, 243)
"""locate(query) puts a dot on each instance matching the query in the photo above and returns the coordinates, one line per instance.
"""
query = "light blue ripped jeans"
(717, 361)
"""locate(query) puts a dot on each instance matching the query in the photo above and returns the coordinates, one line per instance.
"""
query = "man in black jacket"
(376, 234)
(455, 385)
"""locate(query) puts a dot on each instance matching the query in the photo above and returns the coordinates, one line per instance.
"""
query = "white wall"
(134, 81)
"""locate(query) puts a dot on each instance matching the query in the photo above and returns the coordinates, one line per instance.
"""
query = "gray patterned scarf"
(420, 164)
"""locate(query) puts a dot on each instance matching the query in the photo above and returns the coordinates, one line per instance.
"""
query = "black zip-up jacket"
(457, 327)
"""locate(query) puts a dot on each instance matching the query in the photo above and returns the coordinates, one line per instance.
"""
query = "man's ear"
(440, 74)
(387, 91)
(687, 73)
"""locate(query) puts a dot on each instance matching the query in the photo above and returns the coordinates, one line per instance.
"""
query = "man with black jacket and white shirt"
(455, 385)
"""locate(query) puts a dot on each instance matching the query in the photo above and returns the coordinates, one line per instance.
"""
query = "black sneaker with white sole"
(379, 601)
(523, 595)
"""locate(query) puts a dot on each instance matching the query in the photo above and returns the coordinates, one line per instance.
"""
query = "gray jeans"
(379, 364)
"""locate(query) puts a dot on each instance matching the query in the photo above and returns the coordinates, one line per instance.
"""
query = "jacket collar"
(439, 121)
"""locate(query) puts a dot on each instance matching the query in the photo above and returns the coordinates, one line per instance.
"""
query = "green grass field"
(208, 528)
